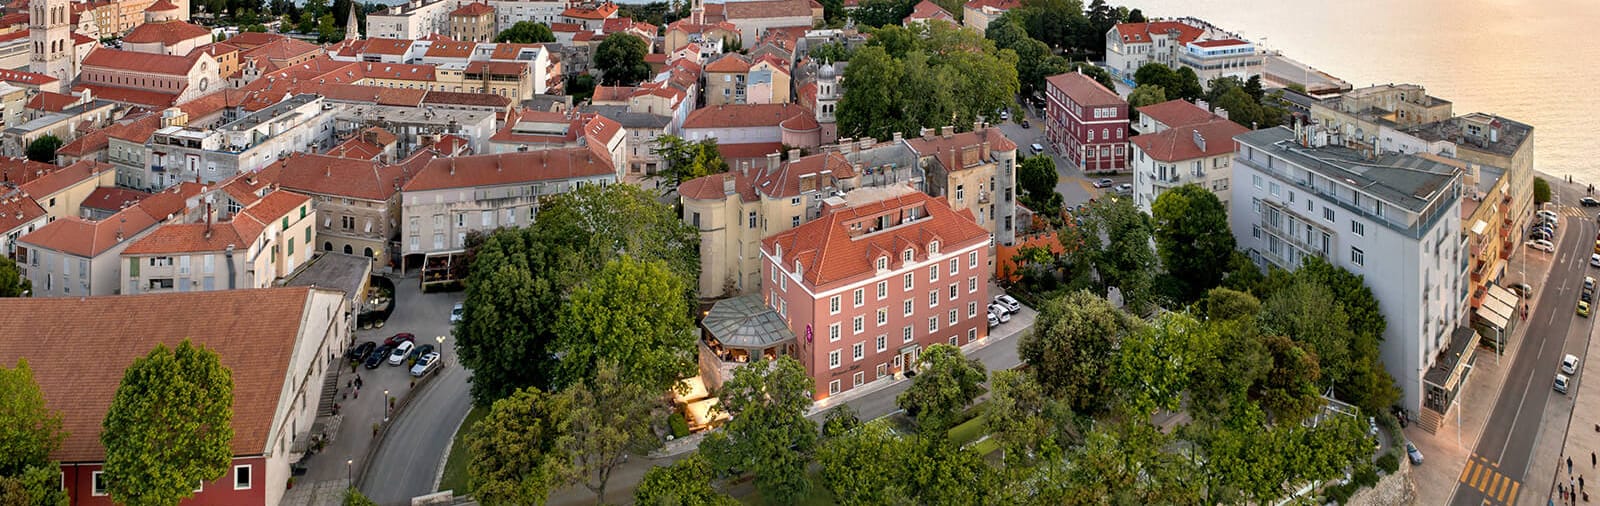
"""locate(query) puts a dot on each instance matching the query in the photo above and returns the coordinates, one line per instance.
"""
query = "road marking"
(1512, 499)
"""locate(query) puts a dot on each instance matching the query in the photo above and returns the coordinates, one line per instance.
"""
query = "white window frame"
(933, 298)
(858, 351)
(833, 305)
(882, 343)
(97, 485)
(933, 324)
(972, 335)
(858, 379)
(955, 317)
(833, 387)
(910, 280)
(249, 477)
(883, 316)
(859, 297)
(933, 273)
(907, 335)
(972, 309)
(833, 359)
(972, 284)
(858, 325)
(883, 290)
(908, 307)
(972, 259)
(833, 332)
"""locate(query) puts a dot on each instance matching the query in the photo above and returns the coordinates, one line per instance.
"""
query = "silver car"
(425, 364)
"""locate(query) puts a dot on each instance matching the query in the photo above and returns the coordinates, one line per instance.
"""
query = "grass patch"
(455, 468)
(967, 431)
(986, 446)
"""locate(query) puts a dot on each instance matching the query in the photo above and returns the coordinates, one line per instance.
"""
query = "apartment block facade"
(1393, 219)
(869, 285)
(1200, 153)
(1086, 123)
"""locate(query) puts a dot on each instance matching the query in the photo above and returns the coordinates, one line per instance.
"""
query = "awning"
(693, 389)
(1478, 228)
(1504, 296)
(1495, 313)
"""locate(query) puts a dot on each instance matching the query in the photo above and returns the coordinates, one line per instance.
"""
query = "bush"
(1365, 476)
(680, 426)
(1541, 191)
(1390, 461)
(1340, 493)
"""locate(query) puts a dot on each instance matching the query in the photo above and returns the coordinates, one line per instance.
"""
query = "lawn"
(455, 469)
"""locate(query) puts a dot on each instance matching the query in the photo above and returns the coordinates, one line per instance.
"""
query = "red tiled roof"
(330, 175)
(473, 9)
(729, 63)
(450, 49)
(388, 46)
(926, 10)
(457, 98)
(131, 96)
(356, 148)
(766, 9)
(1000, 5)
(748, 150)
(25, 78)
(113, 199)
(1181, 142)
(205, 104)
(508, 51)
(136, 129)
(946, 148)
(177, 238)
(250, 330)
(88, 239)
(59, 179)
(565, 27)
(161, 5)
(398, 71)
(81, 39)
(713, 187)
(785, 182)
(247, 40)
(1139, 33)
(85, 144)
(452, 145)
(1220, 43)
(1177, 112)
(51, 102)
(166, 32)
(601, 11)
(16, 35)
(1084, 89)
(829, 251)
(497, 68)
(510, 168)
(743, 115)
(283, 49)
(371, 94)
(18, 211)
(800, 123)
(116, 59)
(22, 170)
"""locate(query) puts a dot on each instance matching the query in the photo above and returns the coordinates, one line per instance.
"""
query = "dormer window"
(883, 263)
(797, 270)
(933, 248)
(907, 256)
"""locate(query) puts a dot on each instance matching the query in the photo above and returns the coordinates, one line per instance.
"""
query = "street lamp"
(441, 347)
(386, 405)
(349, 474)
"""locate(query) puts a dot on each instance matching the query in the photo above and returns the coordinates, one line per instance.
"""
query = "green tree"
(1100, 74)
(44, 149)
(1541, 188)
(1153, 366)
(875, 13)
(610, 419)
(518, 449)
(1037, 177)
(1026, 422)
(840, 420)
(929, 76)
(35, 486)
(1135, 16)
(169, 426)
(634, 314)
(1192, 237)
(833, 13)
(686, 482)
(866, 466)
(1241, 109)
(946, 383)
(943, 473)
(327, 31)
(526, 32)
(1307, 313)
(1146, 94)
(1158, 75)
(829, 52)
(520, 278)
(1117, 240)
(1072, 348)
(685, 160)
(870, 106)
(1222, 303)
(620, 59)
(1290, 389)
(769, 435)
(353, 497)
(31, 430)
(1186, 84)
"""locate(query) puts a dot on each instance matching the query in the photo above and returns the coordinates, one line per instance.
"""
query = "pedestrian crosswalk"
(1576, 212)
(1480, 474)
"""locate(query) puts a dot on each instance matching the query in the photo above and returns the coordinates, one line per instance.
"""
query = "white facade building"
(1393, 219)
(1201, 154)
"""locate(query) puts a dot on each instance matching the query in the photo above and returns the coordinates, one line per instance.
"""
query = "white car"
(1561, 383)
(1594, 260)
(1569, 364)
(993, 320)
(456, 312)
(1546, 213)
(999, 313)
(1126, 188)
(1006, 301)
(1037, 148)
(1542, 245)
(403, 350)
(425, 364)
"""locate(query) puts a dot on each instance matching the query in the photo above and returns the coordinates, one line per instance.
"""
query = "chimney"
(727, 184)
(984, 150)
(898, 137)
(927, 133)
(947, 131)
(977, 126)
(1199, 140)
(867, 142)
(794, 154)
(772, 161)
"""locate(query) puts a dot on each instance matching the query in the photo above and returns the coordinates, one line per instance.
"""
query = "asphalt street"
(1513, 428)
(409, 457)
(1074, 188)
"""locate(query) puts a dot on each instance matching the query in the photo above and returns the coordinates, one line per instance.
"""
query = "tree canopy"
(169, 426)
(684, 160)
(1182, 83)
(521, 278)
(1037, 178)
(927, 76)
(686, 482)
(946, 383)
(1192, 237)
(620, 59)
(1115, 238)
(31, 429)
(526, 32)
(1071, 349)
(43, 149)
(631, 313)
(611, 417)
(519, 449)
(769, 435)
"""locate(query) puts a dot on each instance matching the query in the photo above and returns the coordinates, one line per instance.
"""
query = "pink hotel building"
(1086, 123)
(867, 286)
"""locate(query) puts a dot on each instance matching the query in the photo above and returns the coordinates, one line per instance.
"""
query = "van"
(1037, 148)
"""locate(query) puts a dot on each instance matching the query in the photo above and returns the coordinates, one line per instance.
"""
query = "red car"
(396, 339)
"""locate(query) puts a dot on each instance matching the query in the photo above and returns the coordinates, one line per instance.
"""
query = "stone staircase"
(1430, 420)
(330, 392)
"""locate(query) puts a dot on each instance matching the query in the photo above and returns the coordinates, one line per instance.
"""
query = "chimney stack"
(946, 131)
(898, 137)
(984, 150)
(727, 184)
(773, 161)
(927, 133)
(794, 154)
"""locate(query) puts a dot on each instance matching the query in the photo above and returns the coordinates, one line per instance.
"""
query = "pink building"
(868, 285)
(1086, 122)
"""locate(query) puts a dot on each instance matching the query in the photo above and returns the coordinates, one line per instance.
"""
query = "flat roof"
(1407, 181)
(335, 271)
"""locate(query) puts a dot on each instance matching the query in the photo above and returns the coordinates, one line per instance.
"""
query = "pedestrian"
(1593, 462)
(1562, 489)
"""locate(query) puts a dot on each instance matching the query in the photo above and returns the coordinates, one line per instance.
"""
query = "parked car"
(376, 358)
(1569, 364)
(400, 353)
(1588, 283)
(1539, 235)
(1547, 214)
(360, 352)
(1594, 260)
(1561, 383)
(1006, 301)
(1125, 188)
(1544, 246)
(1523, 290)
(1104, 183)
(1037, 148)
(1025, 123)
(1000, 313)
(425, 364)
(1413, 453)
(1589, 202)
(456, 312)
(993, 320)
(422, 350)
(1372, 426)
(1005, 115)
(1583, 308)
(396, 339)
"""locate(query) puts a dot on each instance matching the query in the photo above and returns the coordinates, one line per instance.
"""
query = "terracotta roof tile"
(166, 33)
(381, 95)
(136, 129)
(113, 199)
(398, 71)
(926, 10)
(743, 115)
(729, 63)
(51, 102)
(602, 11)
(450, 49)
(249, 329)
(18, 211)
(946, 148)
(456, 98)
(1182, 142)
(22, 170)
(25, 78)
(510, 168)
(831, 251)
(1177, 112)
(473, 9)
(57, 180)
(163, 64)
(766, 9)
(393, 47)
(1084, 89)
(85, 144)
(247, 40)
(1000, 5)
(283, 49)
(1139, 33)
(147, 98)
(362, 179)
(88, 239)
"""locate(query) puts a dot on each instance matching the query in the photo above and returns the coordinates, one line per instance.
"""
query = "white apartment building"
(180, 153)
(419, 18)
(1201, 154)
(1210, 51)
(1393, 219)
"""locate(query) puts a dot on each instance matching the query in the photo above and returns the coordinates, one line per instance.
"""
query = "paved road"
(1074, 187)
(1502, 455)
(409, 457)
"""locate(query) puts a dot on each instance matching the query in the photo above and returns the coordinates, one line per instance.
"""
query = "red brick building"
(1086, 123)
(868, 285)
